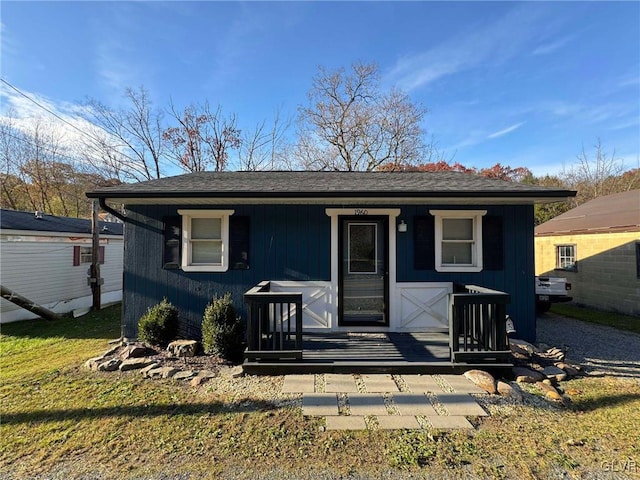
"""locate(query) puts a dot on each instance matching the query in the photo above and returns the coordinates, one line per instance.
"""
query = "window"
(205, 240)
(458, 240)
(566, 257)
(86, 254)
(82, 255)
(363, 248)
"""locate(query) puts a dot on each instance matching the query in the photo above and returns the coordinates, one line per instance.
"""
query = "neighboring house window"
(458, 240)
(83, 255)
(205, 240)
(566, 257)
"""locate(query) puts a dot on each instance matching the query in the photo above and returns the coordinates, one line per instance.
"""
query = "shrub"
(159, 325)
(222, 329)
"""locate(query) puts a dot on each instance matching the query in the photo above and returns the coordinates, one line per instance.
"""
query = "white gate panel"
(316, 302)
(423, 306)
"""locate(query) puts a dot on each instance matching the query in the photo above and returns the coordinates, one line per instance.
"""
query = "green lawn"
(57, 416)
(616, 320)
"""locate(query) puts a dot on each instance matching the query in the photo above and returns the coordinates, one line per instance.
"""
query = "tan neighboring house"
(596, 246)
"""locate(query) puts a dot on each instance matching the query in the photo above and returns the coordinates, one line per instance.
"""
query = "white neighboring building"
(46, 259)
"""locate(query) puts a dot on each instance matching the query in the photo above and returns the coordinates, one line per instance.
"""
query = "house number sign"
(361, 211)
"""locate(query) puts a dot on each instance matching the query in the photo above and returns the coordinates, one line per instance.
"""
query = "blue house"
(338, 269)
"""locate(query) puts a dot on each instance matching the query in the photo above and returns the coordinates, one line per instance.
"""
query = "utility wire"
(47, 110)
(30, 143)
(16, 89)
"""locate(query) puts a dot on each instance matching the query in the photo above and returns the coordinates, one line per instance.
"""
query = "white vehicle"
(551, 290)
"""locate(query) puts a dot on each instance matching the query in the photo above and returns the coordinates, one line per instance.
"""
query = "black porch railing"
(274, 324)
(477, 330)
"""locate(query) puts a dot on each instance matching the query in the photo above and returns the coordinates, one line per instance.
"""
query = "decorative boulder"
(110, 365)
(554, 373)
(549, 391)
(135, 364)
(482, 379)
(133, 351)
(507, 390)
(527, 375)
(92, 363)
(183, 348)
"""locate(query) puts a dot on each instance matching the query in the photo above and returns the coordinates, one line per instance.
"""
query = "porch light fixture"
(402, 227)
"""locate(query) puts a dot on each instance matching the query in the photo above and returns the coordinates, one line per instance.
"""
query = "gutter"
(107, 208)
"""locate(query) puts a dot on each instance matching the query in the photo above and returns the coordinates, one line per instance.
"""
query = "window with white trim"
(458, 240)
(566, 257)
(205, 240)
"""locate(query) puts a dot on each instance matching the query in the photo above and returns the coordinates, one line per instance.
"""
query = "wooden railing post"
(477, 325)
(269, 311)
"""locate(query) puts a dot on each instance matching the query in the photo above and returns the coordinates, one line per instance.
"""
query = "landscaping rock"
(549, 391)
(110, 365)
(198, 380)
(135, 364)
(168, 372)
(554, 373)
(183, 348)
(133, 351)
(482, 379)
(570, 370)
(233, 372)
(184, 375)
(522, 346)
(507, 390)
(92, 363)
(527, 375)
(155, 372)
(145, 371)
(202, 377)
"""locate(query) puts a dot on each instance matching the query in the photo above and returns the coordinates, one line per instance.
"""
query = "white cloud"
(547, 48)
(61, 119)
(504, 131)
(497, 42)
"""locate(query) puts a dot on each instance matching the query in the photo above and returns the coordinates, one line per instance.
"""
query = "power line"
(104, 145)
(30, 143)
(47, 110)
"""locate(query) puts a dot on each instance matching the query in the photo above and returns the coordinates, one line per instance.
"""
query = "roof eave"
(335, 200)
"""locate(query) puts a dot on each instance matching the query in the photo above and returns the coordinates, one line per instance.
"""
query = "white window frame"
(187, 216)
(476, 242)
(86, 256)
(559, 257)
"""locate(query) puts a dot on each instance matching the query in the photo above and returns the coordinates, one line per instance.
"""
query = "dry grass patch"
(62, 421)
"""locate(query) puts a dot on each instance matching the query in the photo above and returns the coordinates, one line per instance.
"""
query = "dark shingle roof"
(15, 220)
(619, 212)
(325, 184)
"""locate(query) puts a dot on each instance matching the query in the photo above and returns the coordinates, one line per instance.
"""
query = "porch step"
(306, 367)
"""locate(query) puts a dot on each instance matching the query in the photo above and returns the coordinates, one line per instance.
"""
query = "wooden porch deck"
(407, 353)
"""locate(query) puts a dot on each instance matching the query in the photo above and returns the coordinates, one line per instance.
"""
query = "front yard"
(60, 420)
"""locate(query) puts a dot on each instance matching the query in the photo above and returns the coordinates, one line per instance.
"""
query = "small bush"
(222, 329)
(159, 325)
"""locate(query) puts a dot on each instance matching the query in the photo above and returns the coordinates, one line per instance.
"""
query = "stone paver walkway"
(358, 402)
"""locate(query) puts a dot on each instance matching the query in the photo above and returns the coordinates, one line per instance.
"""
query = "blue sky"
(523, 84)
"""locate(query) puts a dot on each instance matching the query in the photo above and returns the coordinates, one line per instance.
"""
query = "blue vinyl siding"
(292, 242)
(517, 277)
(286, 243)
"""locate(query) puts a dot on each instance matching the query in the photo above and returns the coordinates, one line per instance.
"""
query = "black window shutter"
(76, 255)
(101, 255)
(492, 243)
(172, 241)
(424, 249)
(238, 242)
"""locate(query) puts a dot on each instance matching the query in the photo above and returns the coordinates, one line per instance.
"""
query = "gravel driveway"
(595, 347)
